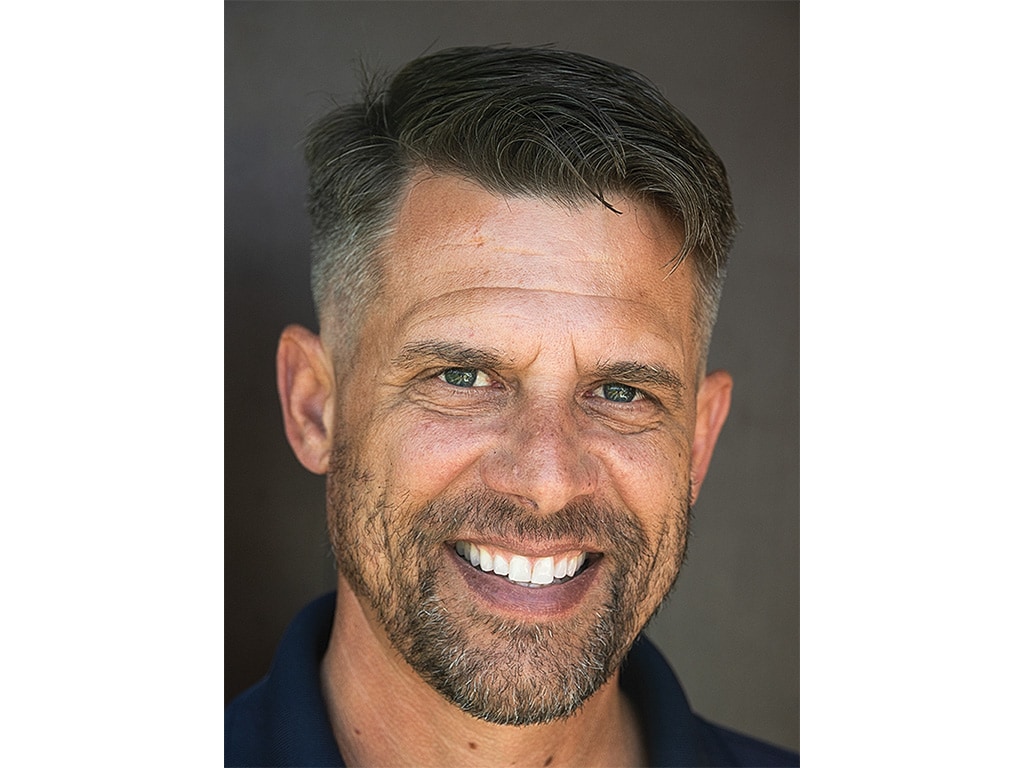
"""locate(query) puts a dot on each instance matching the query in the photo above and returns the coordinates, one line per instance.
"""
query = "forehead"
(453, 236)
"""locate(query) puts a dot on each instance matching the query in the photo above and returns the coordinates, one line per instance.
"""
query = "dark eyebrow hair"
(632, 372)
(449, 352)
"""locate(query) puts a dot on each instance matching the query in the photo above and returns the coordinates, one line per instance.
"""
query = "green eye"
(461, 377)
(619, 393)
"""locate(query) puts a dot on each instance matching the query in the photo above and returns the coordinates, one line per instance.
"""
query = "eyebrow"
(451, 353)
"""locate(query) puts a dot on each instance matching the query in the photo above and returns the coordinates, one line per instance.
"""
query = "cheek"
(429, 455)
(649, 474)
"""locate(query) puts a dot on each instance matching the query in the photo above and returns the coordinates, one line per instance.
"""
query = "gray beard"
(502, 671)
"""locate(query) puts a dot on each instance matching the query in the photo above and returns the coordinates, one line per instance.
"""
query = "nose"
(542, 458)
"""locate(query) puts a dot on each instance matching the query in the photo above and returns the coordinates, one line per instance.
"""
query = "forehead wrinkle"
(441, 305)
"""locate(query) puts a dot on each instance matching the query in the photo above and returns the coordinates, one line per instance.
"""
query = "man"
(517, 259)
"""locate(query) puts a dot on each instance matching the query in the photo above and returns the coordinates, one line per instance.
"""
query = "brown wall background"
(731, 628)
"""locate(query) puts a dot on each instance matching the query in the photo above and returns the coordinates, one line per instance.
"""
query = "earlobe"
(713, 399)
(305, 384)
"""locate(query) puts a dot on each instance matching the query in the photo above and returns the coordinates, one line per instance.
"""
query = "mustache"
(491, 515)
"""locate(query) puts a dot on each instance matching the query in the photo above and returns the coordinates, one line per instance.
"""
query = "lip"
(502, 596)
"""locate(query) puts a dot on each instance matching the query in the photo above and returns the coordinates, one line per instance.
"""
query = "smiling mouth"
(523, 570)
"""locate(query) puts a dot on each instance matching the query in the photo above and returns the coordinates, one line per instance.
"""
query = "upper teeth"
(534, 571)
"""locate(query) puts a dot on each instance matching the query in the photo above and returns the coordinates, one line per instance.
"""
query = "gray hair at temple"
(533, 122)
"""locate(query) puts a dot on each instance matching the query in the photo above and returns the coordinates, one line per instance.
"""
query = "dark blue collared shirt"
(282, 720)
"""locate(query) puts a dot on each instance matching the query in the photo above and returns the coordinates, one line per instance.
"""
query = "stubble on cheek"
(360, 538)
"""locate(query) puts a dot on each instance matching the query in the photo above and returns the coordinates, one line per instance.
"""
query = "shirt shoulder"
(727, 747)
(282, 720)
(245, 728)
(676, 736)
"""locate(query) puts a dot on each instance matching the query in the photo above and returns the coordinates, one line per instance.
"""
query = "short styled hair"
(533, 122)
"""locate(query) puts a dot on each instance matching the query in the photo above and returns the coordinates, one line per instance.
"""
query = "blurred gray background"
(731, 627)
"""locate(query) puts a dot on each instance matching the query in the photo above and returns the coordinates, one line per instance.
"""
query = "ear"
(305, 383)
(713, 400)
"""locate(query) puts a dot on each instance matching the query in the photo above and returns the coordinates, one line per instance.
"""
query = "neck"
(383, 713)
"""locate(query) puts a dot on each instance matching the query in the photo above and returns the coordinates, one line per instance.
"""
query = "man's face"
(509, 486)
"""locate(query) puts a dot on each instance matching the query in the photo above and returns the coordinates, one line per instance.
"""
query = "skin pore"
(526, 384)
